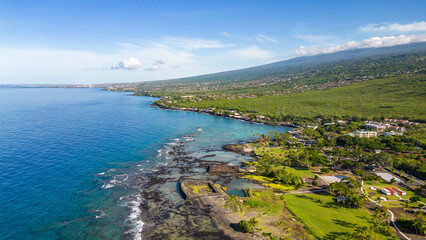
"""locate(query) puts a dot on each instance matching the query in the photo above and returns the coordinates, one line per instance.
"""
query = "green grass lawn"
(301, 173)
(324, 218)
(268, 182)
(401, 96)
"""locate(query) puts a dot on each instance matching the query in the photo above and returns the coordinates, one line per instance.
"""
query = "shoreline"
(207, 112)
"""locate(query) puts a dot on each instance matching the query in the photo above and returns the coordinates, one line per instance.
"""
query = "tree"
(360, 233)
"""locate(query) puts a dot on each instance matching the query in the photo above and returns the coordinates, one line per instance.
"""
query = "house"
(340, 199)
(399, 191)
(383, 199)
(370, 168)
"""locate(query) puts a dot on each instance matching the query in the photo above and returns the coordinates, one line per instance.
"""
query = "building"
(364, 134)
(388, 191)
(341, 199)
(370, 168)
(377, 127)
(399, 191)
(388, 177)
(392, 133)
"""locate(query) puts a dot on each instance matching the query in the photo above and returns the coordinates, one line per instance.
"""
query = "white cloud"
(152, 68)
(394, 27)
(129, 63)
(373, 42)
(264, 38)
(253, 52)
(160, 61)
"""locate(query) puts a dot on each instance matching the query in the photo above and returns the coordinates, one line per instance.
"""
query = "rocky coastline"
(165, 213)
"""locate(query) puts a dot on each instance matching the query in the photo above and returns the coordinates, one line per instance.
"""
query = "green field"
(403, 96)
(324, 218)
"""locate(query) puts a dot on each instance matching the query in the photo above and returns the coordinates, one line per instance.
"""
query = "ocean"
(74, 161)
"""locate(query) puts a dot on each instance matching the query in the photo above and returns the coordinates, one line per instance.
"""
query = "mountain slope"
(294, 75)
(307, 60)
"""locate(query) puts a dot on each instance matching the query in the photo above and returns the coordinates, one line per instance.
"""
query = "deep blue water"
(62, 151)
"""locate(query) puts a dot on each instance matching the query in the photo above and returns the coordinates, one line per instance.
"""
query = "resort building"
(377, 127)
(392, 133)
(364, 134)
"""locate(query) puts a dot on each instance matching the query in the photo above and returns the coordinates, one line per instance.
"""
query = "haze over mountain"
(298, 74)
(307, 60)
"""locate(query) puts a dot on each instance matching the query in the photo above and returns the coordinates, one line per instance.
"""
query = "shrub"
(245, 226)
(325, 170)
(414, 198)
(315, 183)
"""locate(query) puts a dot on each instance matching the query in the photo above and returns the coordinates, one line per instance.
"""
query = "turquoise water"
(68, 157)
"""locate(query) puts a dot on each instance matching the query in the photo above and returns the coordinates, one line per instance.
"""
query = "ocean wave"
(107, 185)
(100, 215)
(118, 179)
(134, 218)
(103, 173)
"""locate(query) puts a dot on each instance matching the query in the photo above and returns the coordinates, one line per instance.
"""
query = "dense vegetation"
(402, 96)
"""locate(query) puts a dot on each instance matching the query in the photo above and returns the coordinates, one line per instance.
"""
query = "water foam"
(134, 217)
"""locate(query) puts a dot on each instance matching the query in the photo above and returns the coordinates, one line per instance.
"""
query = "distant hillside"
(295, 75)
(399, 97)
(308, 60)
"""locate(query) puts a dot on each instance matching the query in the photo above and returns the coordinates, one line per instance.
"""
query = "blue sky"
(125, 41)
